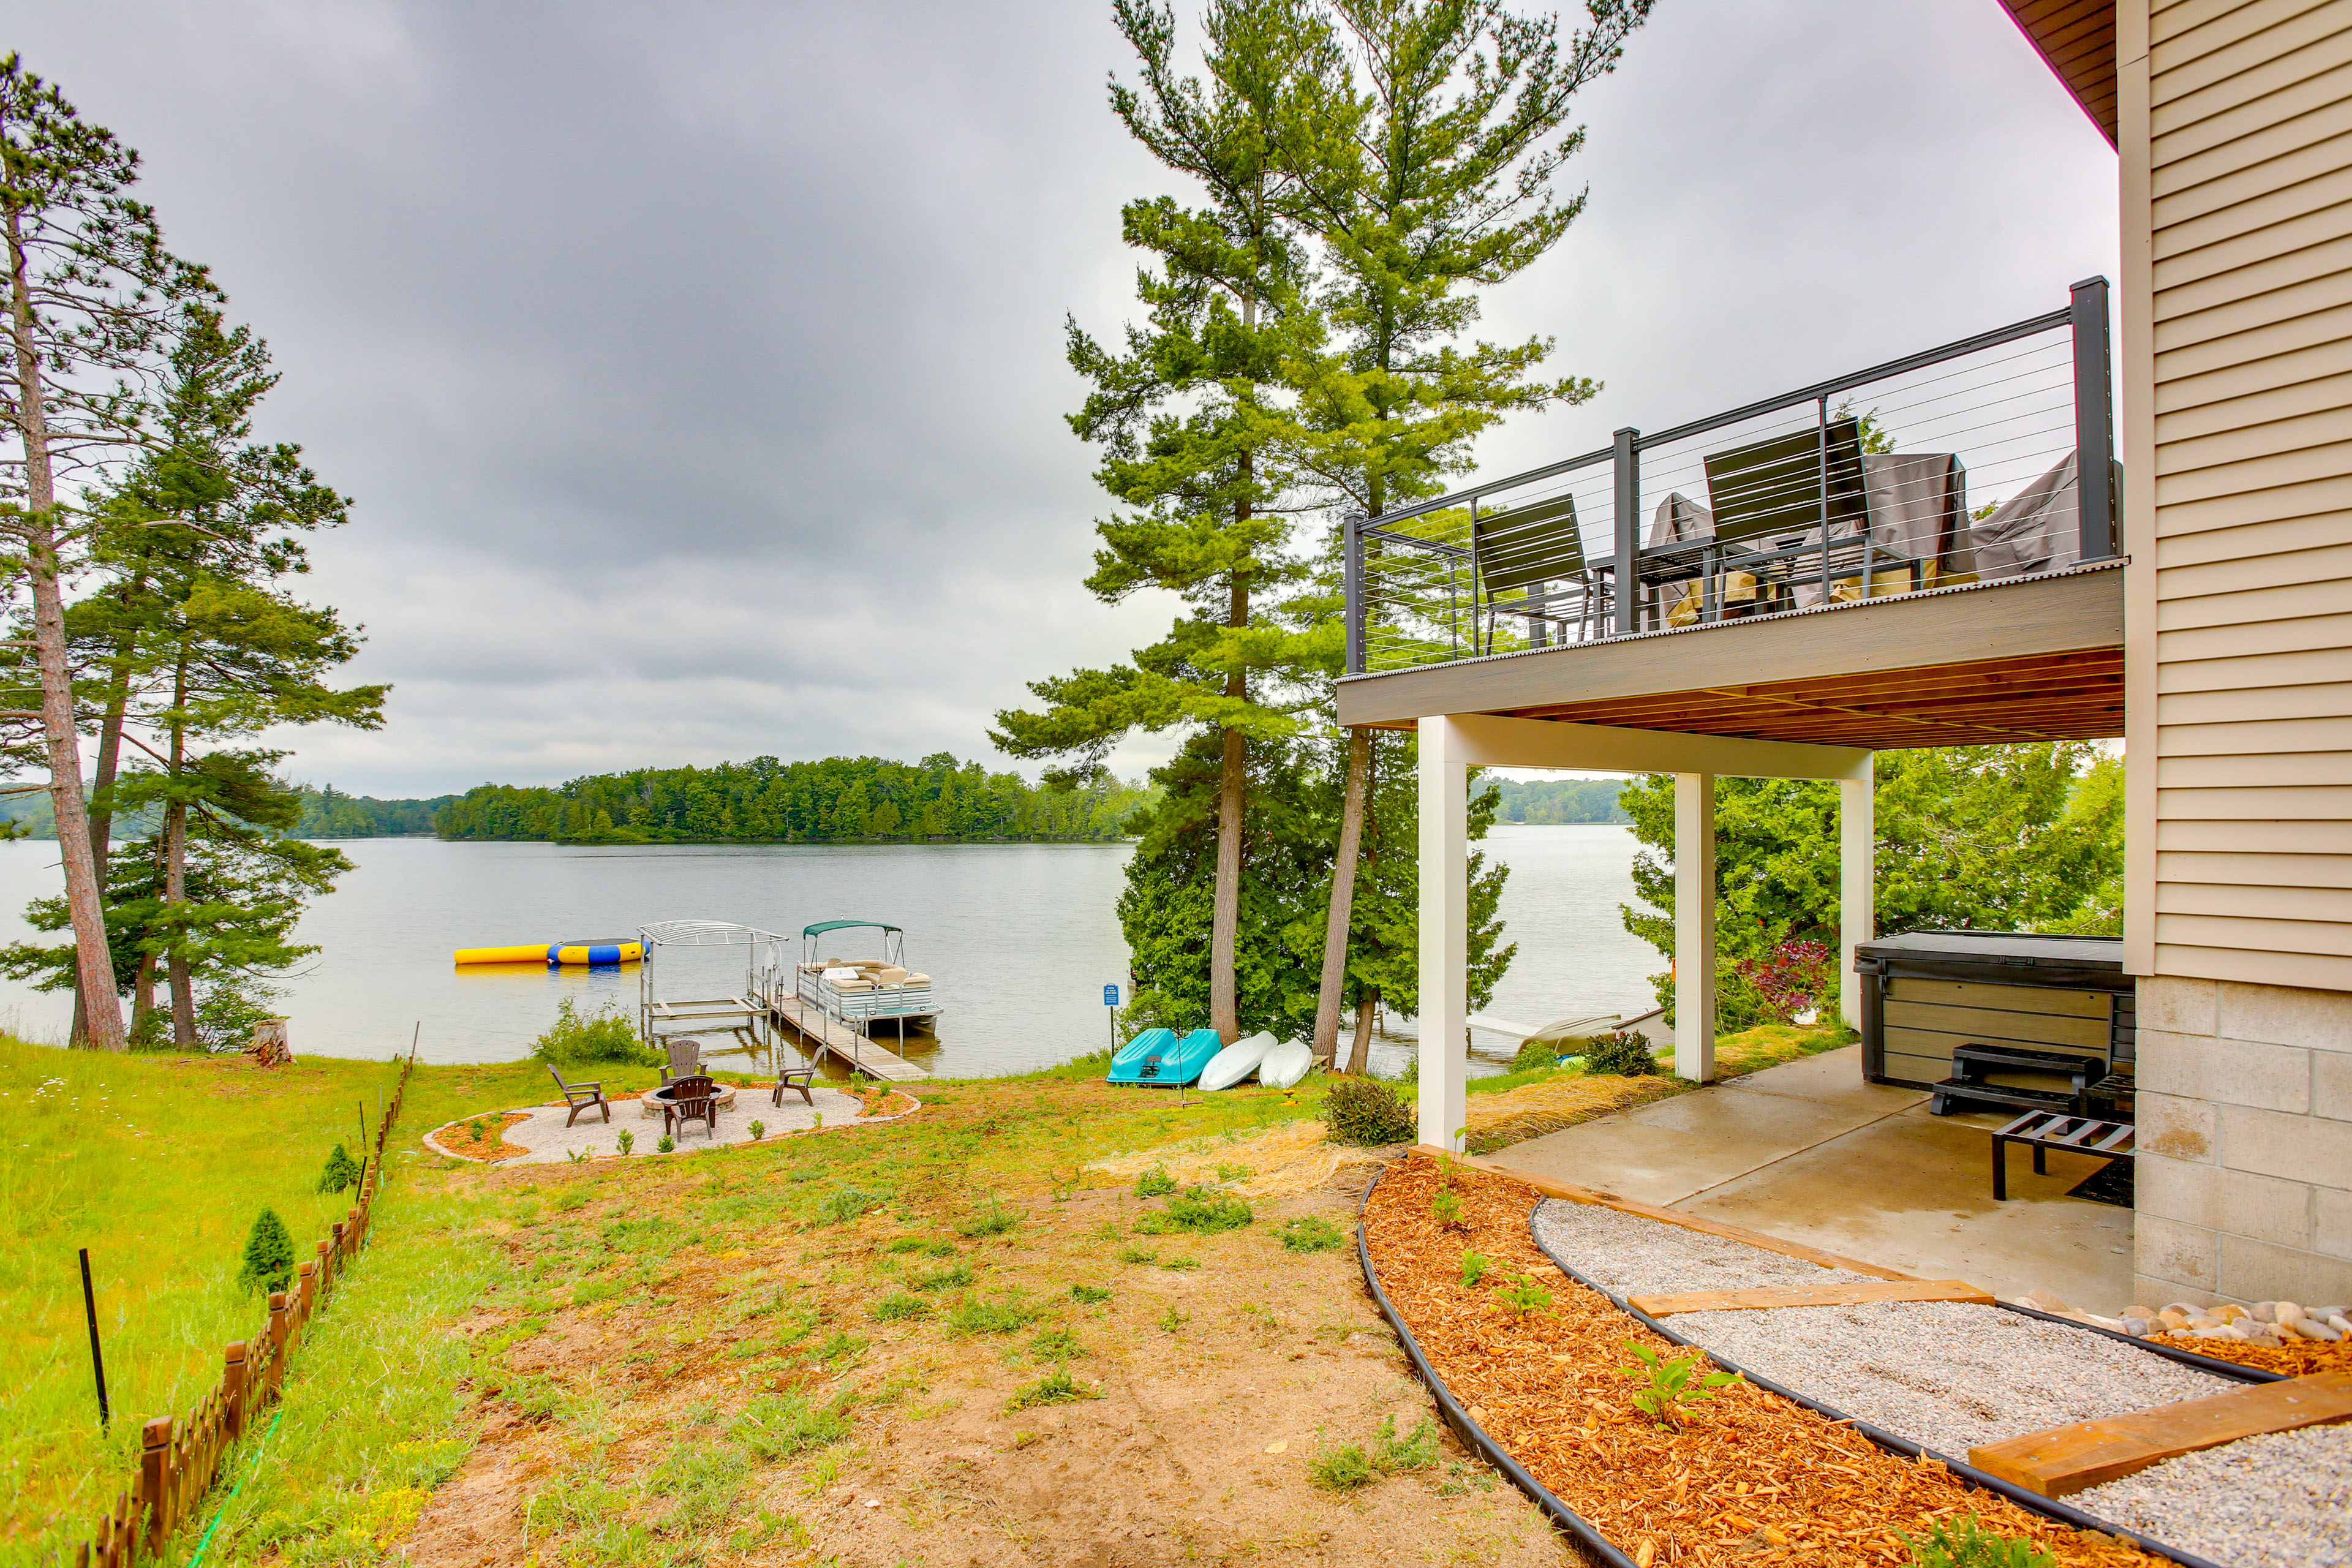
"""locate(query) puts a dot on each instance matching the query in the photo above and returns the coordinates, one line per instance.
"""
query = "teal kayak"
(1165, 1060)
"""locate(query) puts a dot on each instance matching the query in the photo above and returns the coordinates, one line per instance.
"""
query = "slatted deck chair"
(581, 1097)
(1519, 553)
(1778, 499)
(690, 1100)
(795, 1079)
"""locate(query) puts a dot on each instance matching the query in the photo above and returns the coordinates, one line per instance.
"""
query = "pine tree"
(1426, 171)
(90, 292)
(268, 1256)
(342, 1172)
(1193, 418)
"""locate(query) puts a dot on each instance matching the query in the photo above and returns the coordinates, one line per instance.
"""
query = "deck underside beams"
(2032, 659)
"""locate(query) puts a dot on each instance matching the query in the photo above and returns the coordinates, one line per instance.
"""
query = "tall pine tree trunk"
(109, 761)
(1233, 777)
(175, 875)
(1367, 1014)
(93, 962)
(1335, 921)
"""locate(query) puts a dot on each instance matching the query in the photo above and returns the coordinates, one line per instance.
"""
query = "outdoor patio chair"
(685, 1058)
(690, 1100)
(798, 1078)
(581, 1097)
(1522, 550)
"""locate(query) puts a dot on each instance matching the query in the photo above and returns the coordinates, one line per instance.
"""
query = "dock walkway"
(845, 1045)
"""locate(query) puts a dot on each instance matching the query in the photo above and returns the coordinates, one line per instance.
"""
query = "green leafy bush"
(1309, 1235)
(341, 1174)
(1155, 1183)
(1445, 1208)
(268, 1256)
(1415, 1451)
(1366, 1112)
(574, 1041)
(1621, 1054)
(664, 1145)
(1534, 1054)
(1473, 1268)
(1672, 1388)
(1198, 1210)
(1970, 1545)
(1525, 1295)
(1341, 1470)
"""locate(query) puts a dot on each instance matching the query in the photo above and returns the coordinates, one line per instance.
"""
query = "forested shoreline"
(841, 800)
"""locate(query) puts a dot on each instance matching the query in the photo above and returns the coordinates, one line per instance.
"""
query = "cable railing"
(1980, 460)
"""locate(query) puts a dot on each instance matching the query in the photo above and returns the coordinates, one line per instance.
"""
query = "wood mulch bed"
(883, 1102)
(1749, 1478)
(2295, 1361)
(458, 1139)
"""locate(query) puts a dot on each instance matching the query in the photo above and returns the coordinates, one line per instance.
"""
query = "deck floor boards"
(845, 1045)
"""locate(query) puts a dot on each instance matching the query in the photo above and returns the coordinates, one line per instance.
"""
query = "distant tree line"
(839, 800)
(1558, 800)
(329, 812)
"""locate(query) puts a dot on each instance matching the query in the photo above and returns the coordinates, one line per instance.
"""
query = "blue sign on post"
(1110, 996)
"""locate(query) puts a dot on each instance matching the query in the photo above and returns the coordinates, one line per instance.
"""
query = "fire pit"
(656, 1100)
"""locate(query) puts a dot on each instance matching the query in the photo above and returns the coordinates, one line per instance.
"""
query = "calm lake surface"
(1019, 938)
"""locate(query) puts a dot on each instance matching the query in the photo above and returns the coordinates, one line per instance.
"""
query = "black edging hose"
(2033, 1501)
(1469, 1431)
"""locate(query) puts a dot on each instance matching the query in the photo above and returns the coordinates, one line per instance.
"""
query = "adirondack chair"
(581, 1097)
(690, 1100)
(685, 1058)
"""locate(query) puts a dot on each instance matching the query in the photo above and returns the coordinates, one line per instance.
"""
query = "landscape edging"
(1469, 1431)
(2032, 1502)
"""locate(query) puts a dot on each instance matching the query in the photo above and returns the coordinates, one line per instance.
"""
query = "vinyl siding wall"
(2246, 195)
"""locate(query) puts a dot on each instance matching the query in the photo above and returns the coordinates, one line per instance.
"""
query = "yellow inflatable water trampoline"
(559, 952)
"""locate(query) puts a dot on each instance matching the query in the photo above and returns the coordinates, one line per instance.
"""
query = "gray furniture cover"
(2037, 531)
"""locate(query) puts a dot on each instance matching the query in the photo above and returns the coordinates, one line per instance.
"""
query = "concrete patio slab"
(551, 1142)
(1810, 1153)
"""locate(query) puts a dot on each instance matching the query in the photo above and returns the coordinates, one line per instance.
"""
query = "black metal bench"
(1972, 1063)
(2043, 1130)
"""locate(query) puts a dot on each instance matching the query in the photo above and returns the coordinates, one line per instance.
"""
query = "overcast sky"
(697, 367)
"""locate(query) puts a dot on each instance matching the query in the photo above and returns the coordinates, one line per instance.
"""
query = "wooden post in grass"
(276, 1374)
(154, 1456)
(233, 1388)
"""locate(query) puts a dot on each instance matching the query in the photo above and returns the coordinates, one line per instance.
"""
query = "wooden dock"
(843, 1044)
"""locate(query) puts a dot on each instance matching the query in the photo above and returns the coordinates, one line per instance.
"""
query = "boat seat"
(853, 986)
(889, 974)
(914, 979)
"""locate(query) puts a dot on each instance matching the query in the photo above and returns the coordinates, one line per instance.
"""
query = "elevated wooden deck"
(824, 1036)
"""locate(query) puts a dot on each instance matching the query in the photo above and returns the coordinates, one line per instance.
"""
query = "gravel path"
(2284, 1500)
(1950, 1374)
(1633, 1255)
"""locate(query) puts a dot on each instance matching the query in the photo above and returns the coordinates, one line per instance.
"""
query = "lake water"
(1019, 938)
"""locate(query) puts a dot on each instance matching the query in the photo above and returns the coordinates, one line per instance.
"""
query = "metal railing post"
(2094, 426)
(1625, 605)
(1353, 575)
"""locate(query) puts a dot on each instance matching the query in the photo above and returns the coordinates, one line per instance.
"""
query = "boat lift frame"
(744, 1016)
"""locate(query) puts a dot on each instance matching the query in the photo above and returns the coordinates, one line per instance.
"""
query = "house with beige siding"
(2030, 535)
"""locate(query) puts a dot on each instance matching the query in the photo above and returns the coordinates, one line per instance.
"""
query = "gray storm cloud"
(698, 368)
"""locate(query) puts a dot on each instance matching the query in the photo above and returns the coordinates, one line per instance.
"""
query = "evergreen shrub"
(1623, 1054)
(268, 1256)
(341, 1174)
(1366, 1111)
(603, 1037)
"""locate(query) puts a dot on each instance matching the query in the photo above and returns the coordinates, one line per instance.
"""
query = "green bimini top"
(823, 926)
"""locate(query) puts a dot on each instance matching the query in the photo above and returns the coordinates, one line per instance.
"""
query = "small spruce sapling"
(627, 1140)
(664, 1145)
(268, 1256)
(758, 1129)
(1671, 1386)
(341, 1174)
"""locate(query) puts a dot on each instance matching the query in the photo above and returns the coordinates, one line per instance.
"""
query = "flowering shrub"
(1795, 976)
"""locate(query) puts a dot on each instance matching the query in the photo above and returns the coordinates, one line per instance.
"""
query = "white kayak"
(1285, 1064)
(1237, 1061)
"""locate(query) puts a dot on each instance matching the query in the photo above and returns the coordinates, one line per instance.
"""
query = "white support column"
(1694, 926)
(1857, 883)
(1443, 980)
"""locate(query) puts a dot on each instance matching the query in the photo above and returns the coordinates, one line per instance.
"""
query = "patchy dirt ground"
(928, 1343)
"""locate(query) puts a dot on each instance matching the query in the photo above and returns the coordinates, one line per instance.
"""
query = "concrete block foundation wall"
(2244, 1175)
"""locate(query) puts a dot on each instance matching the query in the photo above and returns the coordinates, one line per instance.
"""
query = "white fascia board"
(1485, 740)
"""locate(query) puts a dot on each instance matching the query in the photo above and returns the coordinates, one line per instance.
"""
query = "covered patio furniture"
(2039, 530)
(581, 1097)
(690, 1100)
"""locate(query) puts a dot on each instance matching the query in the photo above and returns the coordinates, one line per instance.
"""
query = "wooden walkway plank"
(844, 1044)
(1759, 1297)
(2064, 1459)
(1576, 1194)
